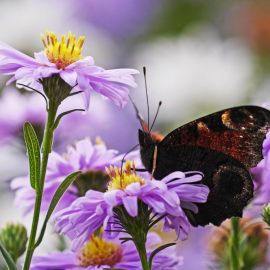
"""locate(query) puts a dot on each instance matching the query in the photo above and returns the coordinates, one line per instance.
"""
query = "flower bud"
(266, 214)
(252, 249)
(14, 238)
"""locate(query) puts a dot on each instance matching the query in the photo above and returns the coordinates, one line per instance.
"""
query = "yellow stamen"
(99, 141)
(99, 252)
(121, 178)
(62, 52)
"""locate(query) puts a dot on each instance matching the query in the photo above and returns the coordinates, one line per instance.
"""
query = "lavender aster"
(261, 174)
(137, 198)
(15, 109)
(63, 58)
(100, 253)
(85, 156)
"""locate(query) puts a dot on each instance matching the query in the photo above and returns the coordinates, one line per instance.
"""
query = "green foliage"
(177, 16)
(33, 151)
(266, 214)
(56, 198)
(240, 251)
(8, 260)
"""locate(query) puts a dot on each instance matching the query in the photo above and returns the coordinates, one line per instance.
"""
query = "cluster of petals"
(83, 74)
(167, 197)
(83, 156)
(129, 260)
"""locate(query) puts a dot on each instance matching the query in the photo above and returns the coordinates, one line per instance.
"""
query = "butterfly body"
(223, 146)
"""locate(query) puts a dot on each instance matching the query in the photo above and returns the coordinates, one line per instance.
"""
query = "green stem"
(143, 256)
(235, 260)
(46, 149)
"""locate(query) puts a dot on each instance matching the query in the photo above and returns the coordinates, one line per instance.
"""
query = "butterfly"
(223, 146)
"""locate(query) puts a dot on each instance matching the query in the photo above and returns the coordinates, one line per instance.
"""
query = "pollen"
(98, 252)
(62, 52)
(121, 178)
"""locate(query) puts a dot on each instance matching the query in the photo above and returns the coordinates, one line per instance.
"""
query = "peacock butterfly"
(223, 146)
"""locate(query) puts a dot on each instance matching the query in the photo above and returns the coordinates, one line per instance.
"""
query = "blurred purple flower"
(15, 109)
(119, 18)
(64, 58)
(85, 156)
(261, 175)
(88, 213)
(98, 253)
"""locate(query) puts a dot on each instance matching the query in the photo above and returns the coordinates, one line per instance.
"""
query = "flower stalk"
(46, 150)
(137, 227)
(234, 244)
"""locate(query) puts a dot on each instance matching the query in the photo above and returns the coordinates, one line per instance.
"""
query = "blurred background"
(201, 56)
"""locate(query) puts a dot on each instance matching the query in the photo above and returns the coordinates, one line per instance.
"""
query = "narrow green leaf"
(9, 261)
(56, 198)
(156, 251)
(33, 151)
(60, 116)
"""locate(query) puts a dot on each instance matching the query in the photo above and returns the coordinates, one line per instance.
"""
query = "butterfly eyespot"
(233, 183)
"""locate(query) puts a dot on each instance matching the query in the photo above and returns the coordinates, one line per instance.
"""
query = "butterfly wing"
(229, 181)
(222, 145)
(238, 132)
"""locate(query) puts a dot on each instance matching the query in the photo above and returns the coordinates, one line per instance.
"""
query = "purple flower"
(85, 156)
(261, 175)
(99, 252)
(165, 197)
(120, 18)
(65, 59)
(15, 109)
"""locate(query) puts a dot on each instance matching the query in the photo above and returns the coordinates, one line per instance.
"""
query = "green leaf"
(60, 116)
(9, 261)
(156, 251)
(56, 198)
(33, 151)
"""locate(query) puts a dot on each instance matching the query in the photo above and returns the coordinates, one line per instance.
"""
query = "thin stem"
(46, 149)
(235, 260)
(142, 253)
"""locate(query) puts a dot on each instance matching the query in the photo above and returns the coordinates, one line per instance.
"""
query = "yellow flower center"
(99, 252)
(62, 52)
(121, 178)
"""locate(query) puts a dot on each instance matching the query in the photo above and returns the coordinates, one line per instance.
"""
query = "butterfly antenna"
(147, 99)
(123, 159)
(155, 118)
(138, 114)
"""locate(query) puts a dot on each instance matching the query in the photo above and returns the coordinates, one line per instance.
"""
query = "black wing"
(229, 181)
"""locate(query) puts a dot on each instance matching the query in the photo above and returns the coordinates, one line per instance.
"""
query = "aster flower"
(91, 159)
(261, 175)
(62, 60)
(141, 201)
(100, 253)
(15, 109)
(120, 18)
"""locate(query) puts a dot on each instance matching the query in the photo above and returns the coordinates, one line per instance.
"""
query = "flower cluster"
(127, 189)
(91, 159)
(99, 253)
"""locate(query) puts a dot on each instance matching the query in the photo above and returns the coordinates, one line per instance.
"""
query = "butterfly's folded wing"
(230, 183)
(238, 132)
(224, 146)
